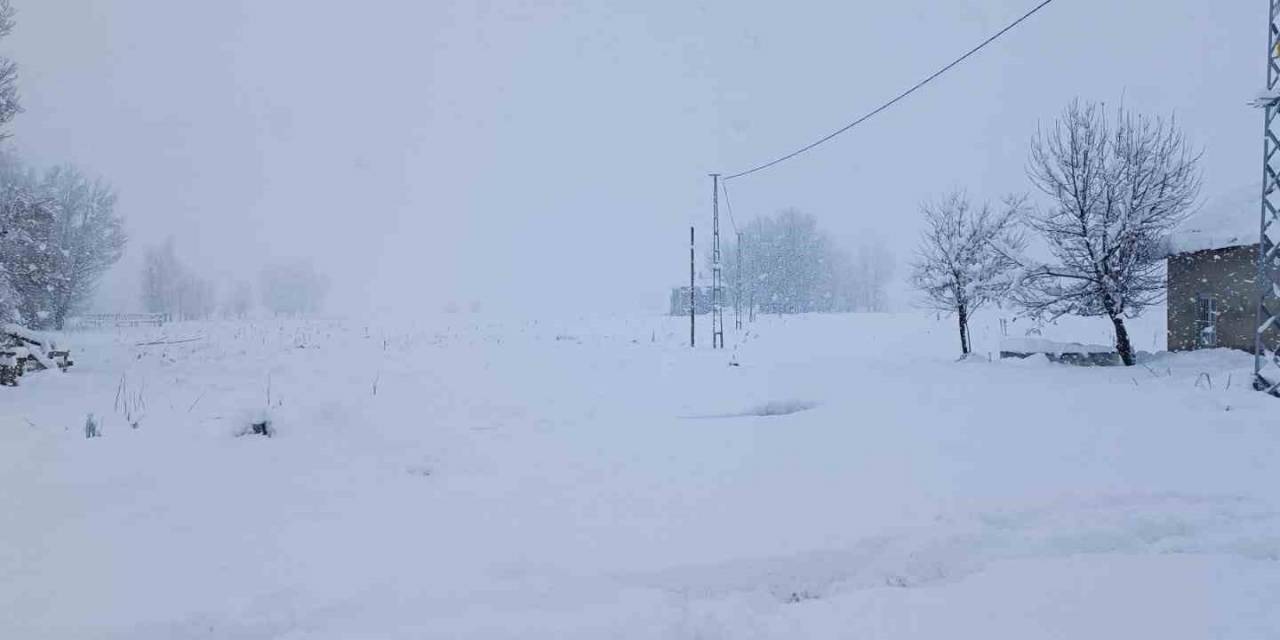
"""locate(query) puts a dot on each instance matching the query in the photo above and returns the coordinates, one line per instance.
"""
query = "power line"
(896, 99)
(728, 206)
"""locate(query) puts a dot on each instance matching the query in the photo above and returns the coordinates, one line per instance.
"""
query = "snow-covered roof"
(1227, 221)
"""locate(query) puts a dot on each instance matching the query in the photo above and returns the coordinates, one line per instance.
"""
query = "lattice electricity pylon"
(717, 293)
(1266, 348)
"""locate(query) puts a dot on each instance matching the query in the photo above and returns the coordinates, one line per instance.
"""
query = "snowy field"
(825, 477)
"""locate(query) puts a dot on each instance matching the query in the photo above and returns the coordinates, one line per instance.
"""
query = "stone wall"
(1228, 275)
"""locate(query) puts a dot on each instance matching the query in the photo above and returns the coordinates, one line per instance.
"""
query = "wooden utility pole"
(737, 294)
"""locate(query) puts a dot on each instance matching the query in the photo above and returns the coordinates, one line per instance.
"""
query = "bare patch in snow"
(768, 410)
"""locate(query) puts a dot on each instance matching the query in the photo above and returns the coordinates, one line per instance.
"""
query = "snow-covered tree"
(29, 253)
(8, 299)
(1116, 186)
(790, 265)
(23, 222)
(963, 262)
(60, 232)
(787, 262)
(88, 238)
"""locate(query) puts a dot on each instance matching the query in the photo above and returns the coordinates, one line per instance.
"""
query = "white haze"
(538, 155)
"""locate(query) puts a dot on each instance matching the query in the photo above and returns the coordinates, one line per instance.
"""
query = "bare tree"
(9, 106)
(872, 270)
(1116, 186)
(963, 262)
(10, 235)
(239, 301)
(197, 297)
(162, 278)
(171, 287)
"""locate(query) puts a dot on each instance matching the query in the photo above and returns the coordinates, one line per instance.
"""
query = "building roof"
(1231, 220)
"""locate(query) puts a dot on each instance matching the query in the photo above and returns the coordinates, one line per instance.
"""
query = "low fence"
(1064, 352)
(114, 320)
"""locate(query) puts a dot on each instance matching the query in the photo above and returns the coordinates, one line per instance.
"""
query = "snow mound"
(780, 408)
(43, 339)
(768, 409)
(1041, 345)
(1033, 360)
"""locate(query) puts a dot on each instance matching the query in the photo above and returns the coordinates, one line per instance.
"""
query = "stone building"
(1212, 276)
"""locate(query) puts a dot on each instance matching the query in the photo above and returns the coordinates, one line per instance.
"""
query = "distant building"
(1212, 276)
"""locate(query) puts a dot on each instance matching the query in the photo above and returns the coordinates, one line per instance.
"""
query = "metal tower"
(1266, 364)
(717, 291)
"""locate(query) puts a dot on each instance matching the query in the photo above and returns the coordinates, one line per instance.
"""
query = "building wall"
(1229, 276)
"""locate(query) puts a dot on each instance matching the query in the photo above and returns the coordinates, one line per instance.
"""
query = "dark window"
(1206, 321)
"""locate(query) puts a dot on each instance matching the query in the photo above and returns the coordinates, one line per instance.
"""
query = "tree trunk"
(962, 315)
(1122, 341)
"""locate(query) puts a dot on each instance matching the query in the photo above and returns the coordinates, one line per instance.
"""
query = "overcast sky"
(536, 153)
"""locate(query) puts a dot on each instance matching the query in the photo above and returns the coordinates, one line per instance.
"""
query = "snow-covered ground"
(825, 477)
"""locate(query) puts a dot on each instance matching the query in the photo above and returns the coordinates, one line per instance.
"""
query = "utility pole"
(751, 288)
(717, 310)
(737, 295)
(1268, 289)
(693, 295)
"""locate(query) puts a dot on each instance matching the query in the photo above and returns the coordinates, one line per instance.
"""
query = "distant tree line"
(293, 288)
(59, 228)
(790, 265)
(1114, 185)
(172, 288)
